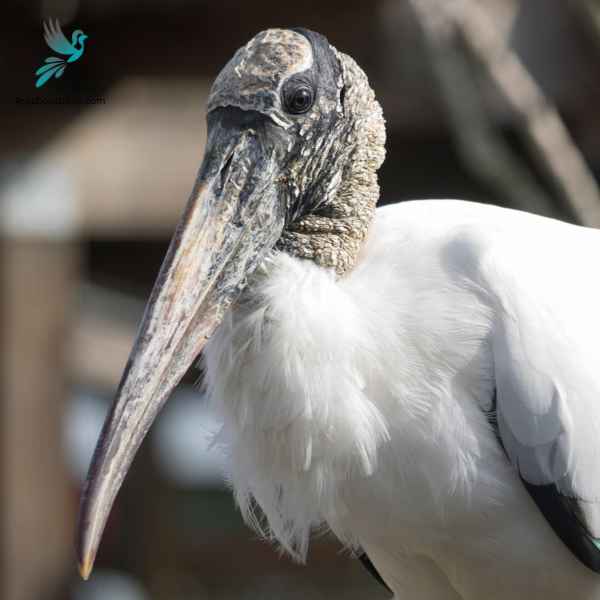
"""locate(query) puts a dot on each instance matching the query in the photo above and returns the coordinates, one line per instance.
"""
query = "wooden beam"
(132, 162)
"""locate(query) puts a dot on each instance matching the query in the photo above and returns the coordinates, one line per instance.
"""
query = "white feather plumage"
(357, 404)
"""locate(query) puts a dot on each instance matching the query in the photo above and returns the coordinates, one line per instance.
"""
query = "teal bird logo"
(57, 41)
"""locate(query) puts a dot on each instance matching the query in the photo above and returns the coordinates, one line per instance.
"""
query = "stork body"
(362, 402)
(422, 379)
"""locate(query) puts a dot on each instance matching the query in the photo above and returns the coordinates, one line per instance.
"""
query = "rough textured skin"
(329, 166)
(332, 235)
(252, 79)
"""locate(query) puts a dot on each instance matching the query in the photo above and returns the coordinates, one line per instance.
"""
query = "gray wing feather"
(546, 353)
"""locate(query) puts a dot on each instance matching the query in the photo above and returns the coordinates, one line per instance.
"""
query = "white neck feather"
(286, 378)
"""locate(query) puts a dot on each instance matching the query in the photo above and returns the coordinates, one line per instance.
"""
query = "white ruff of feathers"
(331, 395)
(289, 377)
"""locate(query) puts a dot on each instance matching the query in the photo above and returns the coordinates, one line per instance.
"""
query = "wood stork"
(423, 379)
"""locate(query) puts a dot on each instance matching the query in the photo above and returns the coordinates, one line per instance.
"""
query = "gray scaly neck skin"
(332, 234)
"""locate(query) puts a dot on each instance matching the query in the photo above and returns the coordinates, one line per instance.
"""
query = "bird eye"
(299, 99)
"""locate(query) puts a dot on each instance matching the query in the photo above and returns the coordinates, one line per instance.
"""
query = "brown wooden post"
(39, 267)
(39, 501)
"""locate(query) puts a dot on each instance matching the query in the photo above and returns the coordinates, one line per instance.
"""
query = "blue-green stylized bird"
(57, 41)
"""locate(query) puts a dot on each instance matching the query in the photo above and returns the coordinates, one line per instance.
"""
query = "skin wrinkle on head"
(253, 78)
(333, 236)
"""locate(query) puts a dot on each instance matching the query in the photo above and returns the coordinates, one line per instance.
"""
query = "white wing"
(545, 286)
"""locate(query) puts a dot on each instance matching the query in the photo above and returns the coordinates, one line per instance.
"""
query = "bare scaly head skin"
(333, 236)
(335, 148)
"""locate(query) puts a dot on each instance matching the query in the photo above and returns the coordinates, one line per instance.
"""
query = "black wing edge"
(369, 566)
(560, 511)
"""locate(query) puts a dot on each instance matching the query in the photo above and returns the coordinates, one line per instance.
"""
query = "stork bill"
(422, 379)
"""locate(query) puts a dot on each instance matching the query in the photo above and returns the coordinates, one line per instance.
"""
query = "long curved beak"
(233, 218)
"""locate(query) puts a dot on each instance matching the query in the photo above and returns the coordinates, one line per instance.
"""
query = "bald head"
(315, 112)
(266, 74)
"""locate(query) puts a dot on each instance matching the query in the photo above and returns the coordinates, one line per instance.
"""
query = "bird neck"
(333, 237)
(333, 234)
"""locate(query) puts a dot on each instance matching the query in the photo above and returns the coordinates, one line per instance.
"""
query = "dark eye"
(299, 99)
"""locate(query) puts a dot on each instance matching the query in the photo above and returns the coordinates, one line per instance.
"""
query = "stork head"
(295, 138)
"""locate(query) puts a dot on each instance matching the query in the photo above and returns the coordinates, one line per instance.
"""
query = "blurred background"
(490, 100)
